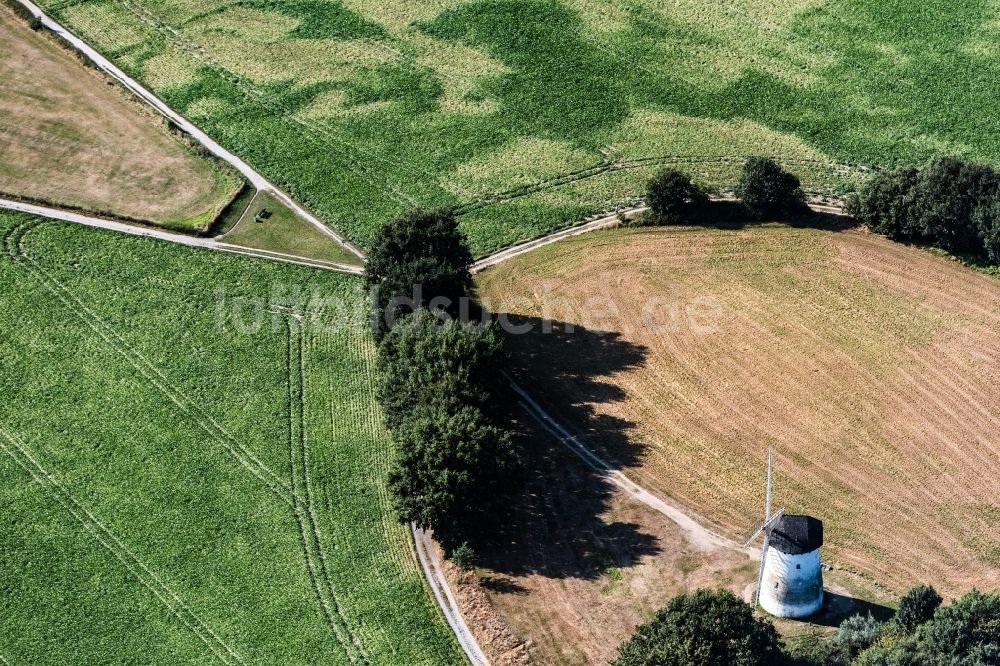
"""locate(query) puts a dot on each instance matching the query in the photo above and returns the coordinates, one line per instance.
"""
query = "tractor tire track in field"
(298, 494)
(312, 129)
(13, 245)
(19, 452)
(302, 496)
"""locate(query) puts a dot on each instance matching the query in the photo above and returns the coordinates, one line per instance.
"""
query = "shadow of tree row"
(557, 528)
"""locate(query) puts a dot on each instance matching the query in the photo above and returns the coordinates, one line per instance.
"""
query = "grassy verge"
(267, 224)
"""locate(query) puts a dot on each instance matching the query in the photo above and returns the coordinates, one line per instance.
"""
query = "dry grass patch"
(872, 367)
(70, 138)
(584, 566)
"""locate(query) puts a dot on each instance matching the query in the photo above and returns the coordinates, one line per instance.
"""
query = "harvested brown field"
(70, 138)
(874, 369)
(583, 565)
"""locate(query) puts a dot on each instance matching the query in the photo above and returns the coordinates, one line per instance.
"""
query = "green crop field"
(525, 115)
(192, 465)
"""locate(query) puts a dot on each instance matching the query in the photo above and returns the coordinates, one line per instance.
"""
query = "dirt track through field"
(13, 243)
(301, 494)
(873, 368)
(17, 450)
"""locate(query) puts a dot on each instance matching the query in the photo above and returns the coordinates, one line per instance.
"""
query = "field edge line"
(436, 579)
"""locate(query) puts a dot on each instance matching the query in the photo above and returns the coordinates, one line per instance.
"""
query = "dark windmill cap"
(796, 535)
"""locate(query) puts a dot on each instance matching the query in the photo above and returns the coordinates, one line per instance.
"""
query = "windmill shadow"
(838, 607)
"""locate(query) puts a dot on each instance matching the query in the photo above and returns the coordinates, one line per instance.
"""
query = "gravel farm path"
(180, 239)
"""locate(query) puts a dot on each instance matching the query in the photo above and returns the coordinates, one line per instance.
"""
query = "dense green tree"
(945, 197)
(421, 259)
(766, 189)
(453, 471)
(672, 196)
(987, 221)
(428, 355)
(964, 633)
(916, 607)
(885, 204)
(705, 628)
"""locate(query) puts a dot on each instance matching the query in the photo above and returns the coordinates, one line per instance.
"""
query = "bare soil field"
(583, 565)
(874, 369)
(70, 138)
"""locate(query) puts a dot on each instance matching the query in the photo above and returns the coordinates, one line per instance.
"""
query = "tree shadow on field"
(575, 362)
(725, 214)
(559, 527)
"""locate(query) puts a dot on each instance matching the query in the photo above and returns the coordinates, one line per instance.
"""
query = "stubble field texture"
(871, 367)
(173, 491)
(526, 115)
(69, 139)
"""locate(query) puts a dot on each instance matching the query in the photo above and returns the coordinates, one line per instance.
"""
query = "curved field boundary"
(19, 452)
(699, 536)
(604, 222)
(184, 124)
(13, 245)
(180, 239)
(301, 494)
(607, 166)
(433, 568)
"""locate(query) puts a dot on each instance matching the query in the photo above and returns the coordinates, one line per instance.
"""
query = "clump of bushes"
(463, 557)
(703, 628)
(917, 607)
(967, 631)
(711, 627)
(768, 190)
(672, 197)
(948, 203)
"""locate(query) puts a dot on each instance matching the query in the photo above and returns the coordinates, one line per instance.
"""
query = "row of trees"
(711, 627)
(764, 188)
(949, 203)
(440, 380)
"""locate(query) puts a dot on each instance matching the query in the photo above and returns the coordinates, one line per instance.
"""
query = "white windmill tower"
(790, 580)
